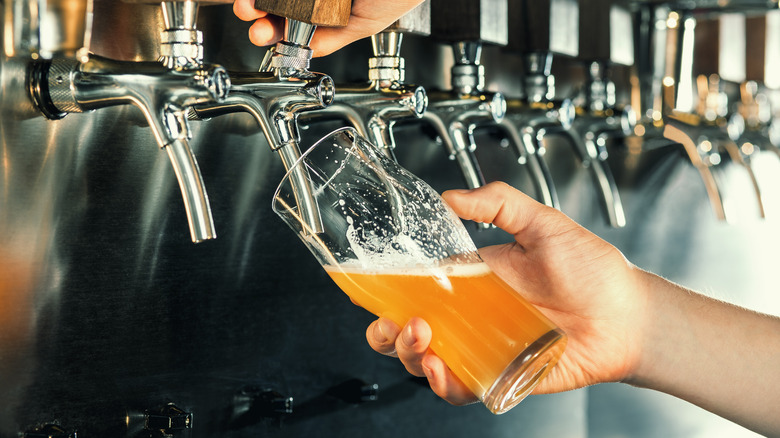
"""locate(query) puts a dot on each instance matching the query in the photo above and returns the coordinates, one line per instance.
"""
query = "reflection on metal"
(374, 107)
(163, 95)
(45, 29)
(455, 114)
(676, 134)
(275, 97)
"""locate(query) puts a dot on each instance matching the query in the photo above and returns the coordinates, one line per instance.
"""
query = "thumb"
(505, 207)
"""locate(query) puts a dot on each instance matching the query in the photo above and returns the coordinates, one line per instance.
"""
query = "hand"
(582, 283)
(368, 17)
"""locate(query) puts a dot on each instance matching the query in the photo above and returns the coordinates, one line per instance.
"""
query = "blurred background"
(652, 123)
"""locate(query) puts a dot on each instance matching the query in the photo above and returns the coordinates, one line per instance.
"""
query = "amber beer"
(482, 328)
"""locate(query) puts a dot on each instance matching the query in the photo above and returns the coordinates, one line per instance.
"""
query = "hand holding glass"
(391, 243)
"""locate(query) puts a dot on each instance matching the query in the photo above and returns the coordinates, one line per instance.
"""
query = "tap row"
(671, 105)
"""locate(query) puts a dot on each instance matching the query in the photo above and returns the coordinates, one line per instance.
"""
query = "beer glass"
(391, 243)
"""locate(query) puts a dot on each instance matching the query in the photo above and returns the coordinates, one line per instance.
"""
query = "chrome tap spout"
(590, 146)
(456, 114)
(528, 144)
(276, 97)
(676, 131)
(374, 107)
(163, 95)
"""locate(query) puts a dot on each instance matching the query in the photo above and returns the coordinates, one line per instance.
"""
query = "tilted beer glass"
(391, 243)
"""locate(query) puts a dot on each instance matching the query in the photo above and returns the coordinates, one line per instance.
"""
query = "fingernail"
(428, 372)
(408, 337)
(380, 333)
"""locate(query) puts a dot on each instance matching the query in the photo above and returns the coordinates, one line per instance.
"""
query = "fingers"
(410, 345)
(445, 384)
(329, 39)
(266, 29)
(507, 208)
(497, 203)
(245, 10)
(381, 335)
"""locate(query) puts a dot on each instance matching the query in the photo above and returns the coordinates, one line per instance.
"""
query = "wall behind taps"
(114, 312)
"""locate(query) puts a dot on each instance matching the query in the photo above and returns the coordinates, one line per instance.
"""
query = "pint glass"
(390, 242)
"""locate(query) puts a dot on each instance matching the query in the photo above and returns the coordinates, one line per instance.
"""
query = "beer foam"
(450, 270)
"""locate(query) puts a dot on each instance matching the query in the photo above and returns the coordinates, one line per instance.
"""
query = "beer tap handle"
(327, 13)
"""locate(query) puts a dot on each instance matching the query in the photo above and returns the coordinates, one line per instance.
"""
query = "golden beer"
(483, 329)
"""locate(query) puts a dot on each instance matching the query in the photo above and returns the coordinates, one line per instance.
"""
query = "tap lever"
(465, 20)
(329, 13)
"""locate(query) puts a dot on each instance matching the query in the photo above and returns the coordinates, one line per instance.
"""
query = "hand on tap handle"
(367, 18)
(624, 324)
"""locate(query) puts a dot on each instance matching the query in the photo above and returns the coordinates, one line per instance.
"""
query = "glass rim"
(302, 157)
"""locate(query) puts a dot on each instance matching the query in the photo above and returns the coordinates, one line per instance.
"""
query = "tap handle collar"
(292, 54)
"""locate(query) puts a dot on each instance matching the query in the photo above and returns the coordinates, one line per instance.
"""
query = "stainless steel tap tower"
(113, 324)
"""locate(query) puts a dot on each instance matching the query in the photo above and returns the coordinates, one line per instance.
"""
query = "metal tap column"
(547, 32)
(164, 95)
(374, 107)
(456, 113)
(284, 88)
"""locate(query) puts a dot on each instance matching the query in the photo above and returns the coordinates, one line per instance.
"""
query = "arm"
(368, 17)
(624, 324)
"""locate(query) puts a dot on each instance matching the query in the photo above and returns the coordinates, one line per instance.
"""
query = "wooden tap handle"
(328, 13)
(200, 2)
(544, 26)
(417, 21)
(755, 39)
(461, 20)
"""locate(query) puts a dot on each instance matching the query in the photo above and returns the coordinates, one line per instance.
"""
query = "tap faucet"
(653, 94)
(163, 92)
(536, 116)
(456, 113)
(703, 113)
(597, 122)
(714, 139)
(282, 91)
(542, 116)
(374, 107)
(545, 32)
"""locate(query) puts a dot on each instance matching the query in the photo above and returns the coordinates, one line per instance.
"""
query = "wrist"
(658, 313)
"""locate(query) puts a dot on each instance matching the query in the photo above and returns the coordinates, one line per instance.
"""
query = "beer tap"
(529, 120)
(761, 128)
(284, 89)
(653, 94)
(163, 91)
(701, 107)
(374, 107)
(454, 114)
(545, 33)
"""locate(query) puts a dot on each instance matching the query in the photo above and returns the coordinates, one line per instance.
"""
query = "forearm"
(718, 356)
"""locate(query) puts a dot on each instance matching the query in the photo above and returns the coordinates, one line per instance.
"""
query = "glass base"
(525, 372)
